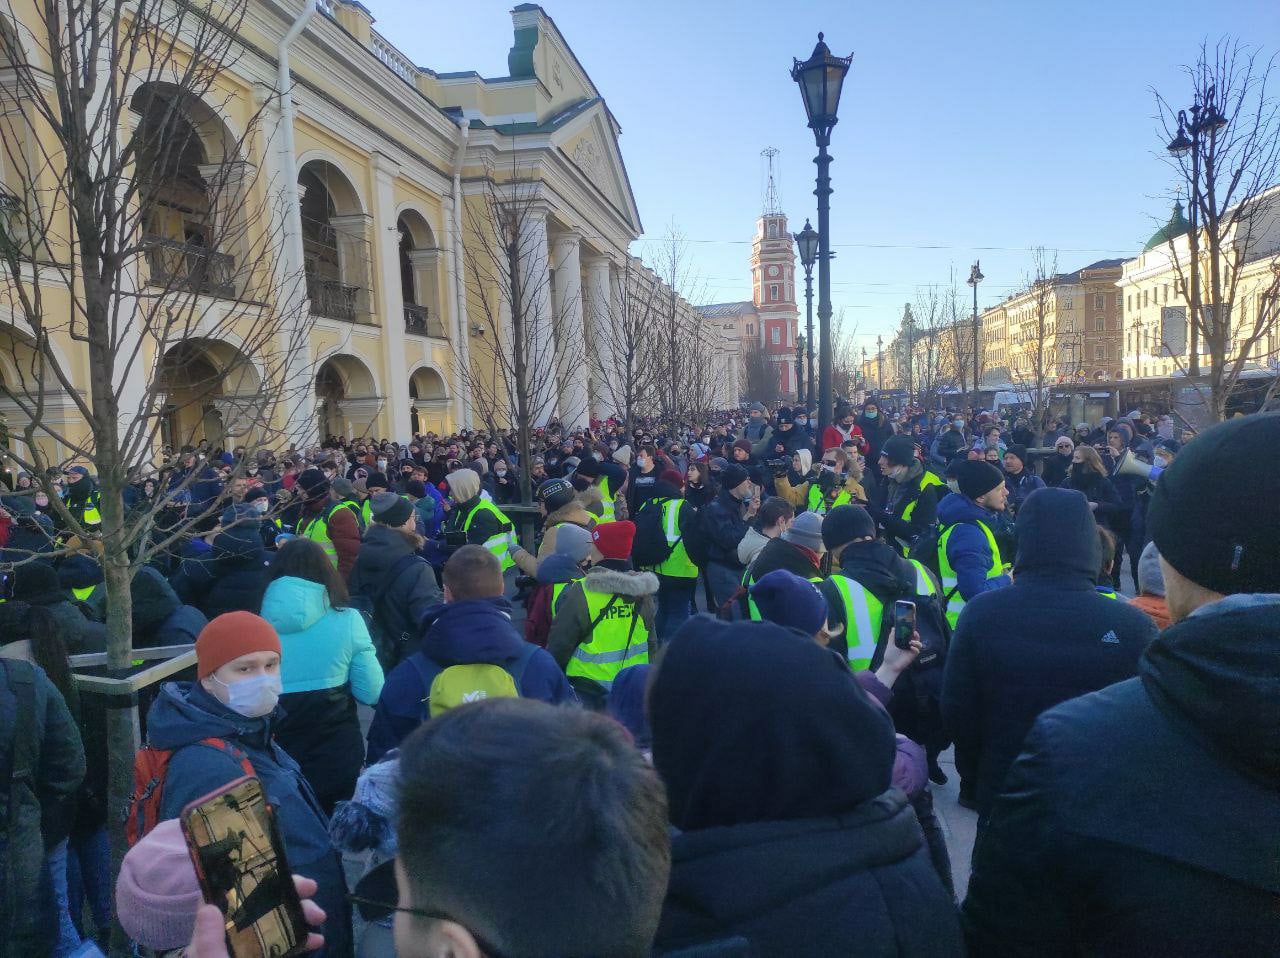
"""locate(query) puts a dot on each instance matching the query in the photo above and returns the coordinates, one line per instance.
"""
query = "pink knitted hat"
(157, 893)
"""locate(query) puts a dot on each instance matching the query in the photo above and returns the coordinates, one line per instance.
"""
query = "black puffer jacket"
(723, 525)
(230, 577)
(1144, 819)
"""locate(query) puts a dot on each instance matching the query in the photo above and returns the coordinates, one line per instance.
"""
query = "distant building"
(769, 320)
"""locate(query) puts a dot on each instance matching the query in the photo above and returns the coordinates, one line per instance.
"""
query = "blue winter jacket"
(967, 548)
(327, 664)
(457, 633)
(183, 715)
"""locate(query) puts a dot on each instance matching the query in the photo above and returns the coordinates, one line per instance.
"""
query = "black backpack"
(696, 541)
(650, 548)
(916, 705)
(387, 625)
(925, 549)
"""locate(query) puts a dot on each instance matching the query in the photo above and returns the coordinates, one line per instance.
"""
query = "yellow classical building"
(364, 189)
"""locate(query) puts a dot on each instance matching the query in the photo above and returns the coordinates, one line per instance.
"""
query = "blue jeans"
(89, 878)
(675, 603)
(55, 902)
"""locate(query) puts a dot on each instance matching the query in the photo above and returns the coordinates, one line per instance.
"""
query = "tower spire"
(771, 204)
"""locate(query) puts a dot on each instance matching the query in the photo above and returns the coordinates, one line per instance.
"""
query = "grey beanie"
(389, 509)
(1150, 575)
(806, 531)
(572, 541)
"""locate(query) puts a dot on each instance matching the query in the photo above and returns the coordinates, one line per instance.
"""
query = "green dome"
(1176, 226)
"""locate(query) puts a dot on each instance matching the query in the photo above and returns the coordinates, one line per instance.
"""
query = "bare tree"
(1227, 152)
(844, 355)
(136, 232)
(931, 324)
(518, 358)
(958, 339)
(1036, 339)
(623, 345)
(761, 376)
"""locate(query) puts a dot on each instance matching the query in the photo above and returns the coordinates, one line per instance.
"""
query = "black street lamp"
(800, 341)
(975, 277)
(1206, 122)
(879, 366)
(820, 79)
(807, 243)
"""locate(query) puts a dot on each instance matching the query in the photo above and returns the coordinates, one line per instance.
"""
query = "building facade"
(770, 321)
(1156, 333)
(384, 174)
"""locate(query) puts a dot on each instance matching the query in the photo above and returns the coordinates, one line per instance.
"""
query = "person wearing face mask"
(234, 700)
(757, 431)
(506, 486)
(875, 427)
(643, 477)
(844, 428)
(907, 502)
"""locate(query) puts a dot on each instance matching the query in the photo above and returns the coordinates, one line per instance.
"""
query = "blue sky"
(967, 130)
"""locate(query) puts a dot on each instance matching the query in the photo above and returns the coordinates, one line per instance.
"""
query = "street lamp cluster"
(820, 79)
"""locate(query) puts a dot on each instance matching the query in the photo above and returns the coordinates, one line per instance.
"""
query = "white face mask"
(382, 465)
(260, 506)
(253, 697)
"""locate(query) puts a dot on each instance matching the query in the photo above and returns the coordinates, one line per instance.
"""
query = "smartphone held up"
(904, 623)
(240, 862)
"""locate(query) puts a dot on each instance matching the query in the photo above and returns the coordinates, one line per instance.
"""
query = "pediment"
(589, 143)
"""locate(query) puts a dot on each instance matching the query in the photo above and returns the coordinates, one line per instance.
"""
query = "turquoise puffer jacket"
(327, 664)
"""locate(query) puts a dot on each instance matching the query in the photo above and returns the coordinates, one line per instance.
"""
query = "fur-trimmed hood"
(636, 584)
(574, 512)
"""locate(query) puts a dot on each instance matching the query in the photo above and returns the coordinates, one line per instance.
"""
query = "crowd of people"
(689, 700)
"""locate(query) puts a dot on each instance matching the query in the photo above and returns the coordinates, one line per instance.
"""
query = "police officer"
(909, 495)
(969, 557)
(604, 622)
(333, 524)
(677, 575)
(474, 520)
(867, 575)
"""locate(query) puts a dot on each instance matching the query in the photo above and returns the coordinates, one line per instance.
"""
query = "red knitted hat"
(230, 636)
(614, 539)
(673, 476)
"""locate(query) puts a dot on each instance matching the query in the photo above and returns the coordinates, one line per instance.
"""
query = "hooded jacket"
(459, 633)
(1143, 819)
(575, 514)
(183, 715)
(327, 664)
(406, 598)
(777, 767)
(37, 584)
(57, 767)
(571, 625)
(1049, 637)
(967, 549)
(159, 617)
(552, 571)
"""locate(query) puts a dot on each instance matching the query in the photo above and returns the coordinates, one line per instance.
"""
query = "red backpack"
(150, 765)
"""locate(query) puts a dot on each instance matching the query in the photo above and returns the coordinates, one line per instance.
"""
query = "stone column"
(571, 347)
(293, 341)
(458, 329)
(600, 304)
(390, 298)
(535, 312)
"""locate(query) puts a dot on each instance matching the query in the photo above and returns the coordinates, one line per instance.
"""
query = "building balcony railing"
(419, 321)
(174, 264)
(332, 299)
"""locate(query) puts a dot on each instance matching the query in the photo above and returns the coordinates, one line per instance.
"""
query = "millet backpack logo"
(1110, 638)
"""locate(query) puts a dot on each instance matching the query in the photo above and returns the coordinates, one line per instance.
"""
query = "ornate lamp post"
(820, 79)
(975, 277)
(1205, 123)
(879, 365)
(807, 244)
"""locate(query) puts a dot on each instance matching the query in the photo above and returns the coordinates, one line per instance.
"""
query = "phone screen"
(241, 865)
(904, 623)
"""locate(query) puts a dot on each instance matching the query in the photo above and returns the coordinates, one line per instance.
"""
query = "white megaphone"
(1130, 465)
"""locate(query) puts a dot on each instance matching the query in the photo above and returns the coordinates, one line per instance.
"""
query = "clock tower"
(773, 283)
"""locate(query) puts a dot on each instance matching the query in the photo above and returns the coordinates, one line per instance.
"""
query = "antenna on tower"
(771, 204)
